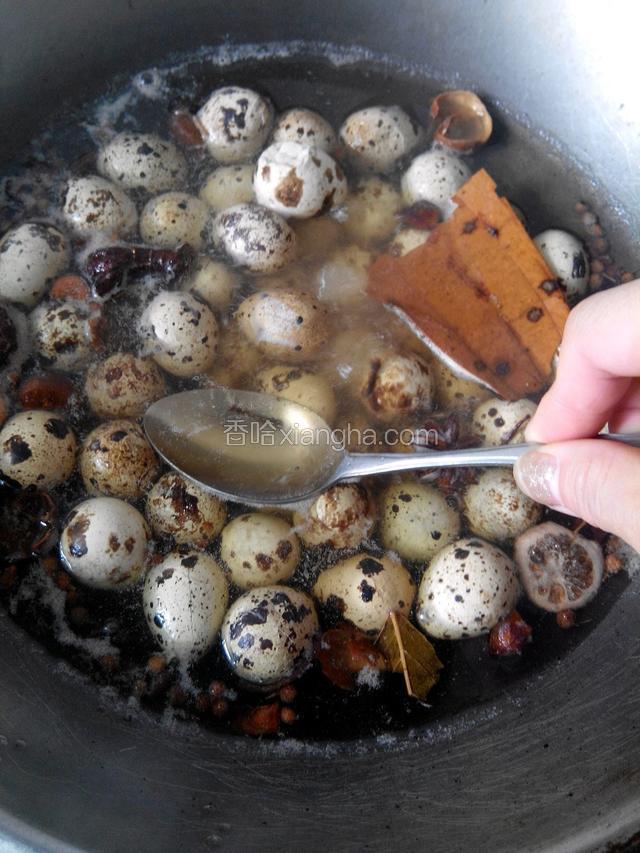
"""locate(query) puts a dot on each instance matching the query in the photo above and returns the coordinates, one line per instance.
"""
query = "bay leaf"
(409, 653)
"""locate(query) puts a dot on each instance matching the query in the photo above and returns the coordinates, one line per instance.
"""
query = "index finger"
(599, 358)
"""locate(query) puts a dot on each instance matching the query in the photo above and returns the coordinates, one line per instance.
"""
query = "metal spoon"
(259, 449)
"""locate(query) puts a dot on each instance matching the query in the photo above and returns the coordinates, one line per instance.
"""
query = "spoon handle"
(361, 464)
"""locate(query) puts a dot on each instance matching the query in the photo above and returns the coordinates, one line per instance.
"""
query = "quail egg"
(405, 241)
(62, 333)
(371, 210)
(435, 176)
(342, 517)
(302, 125)
(142, 160)
(364, 589)
(173, 218)
(284, 324)
(455, 392)
(567, 260)
(31, 256)
(298, 180)
(213, 282)
(237, 361)
(255, 237)
(342, 280)
(397, 385)
(227, 186)
(499, 421)
(300, 386)
(317, 236)
(123, 386)
(180, 333)
(179, 508)
(15, 344)
(37, 448)
(416, 520)
(496, 509)
(236, 123)
(104, 543)
(259, 549)
(377, 138)
(94, 205)
(185, 598)
(268, 634)
(467, 588)
(117, 460)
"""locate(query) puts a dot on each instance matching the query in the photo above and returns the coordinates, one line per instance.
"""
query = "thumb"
(596, 480)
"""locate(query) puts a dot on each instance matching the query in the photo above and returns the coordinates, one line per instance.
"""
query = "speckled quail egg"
(467, 588)
(237, 361)
(123, 386)
(567, 260)
(397, 385)
(268, 634)
(259, 549)
(284, 324)
(378, 137)
(406, 241)
(179, 508)
(559, 569)
(179, 332)
(31, 256)
(342, 517)
(213, 282)
(499, 421)
(317, 236)
(185, 598)
(173, 218)
(255, 237)
(416, 521)
(62, 333)
(435, 176)
(117, 460)
(300, 386)
(227, 186)
(37, 448)
(142, 160)
(496, 509)
(371, 210)
(342, 280)
(94, 205)
(298, 180)
(364, 589)
(104, 543)
(15, 344)
(306, 126)
(236, 123)
(455, 392)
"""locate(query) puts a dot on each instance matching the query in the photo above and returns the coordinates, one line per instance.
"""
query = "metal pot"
(554, 764)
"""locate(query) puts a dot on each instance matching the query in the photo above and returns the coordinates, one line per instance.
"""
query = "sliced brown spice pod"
(462, 120)
(479, 294)
(45, 391)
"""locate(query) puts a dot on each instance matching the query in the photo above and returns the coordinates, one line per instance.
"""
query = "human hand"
(597, 383)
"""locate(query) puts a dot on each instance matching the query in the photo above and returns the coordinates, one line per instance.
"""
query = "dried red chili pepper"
(107, 267)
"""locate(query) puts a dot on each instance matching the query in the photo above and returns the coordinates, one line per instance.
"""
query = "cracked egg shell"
(185, 598)
(416, 521)
(377, 138)
(31, 256)
(259, 549)
(37, 448)
(496, 509)
(255, 237)
(567, 260)
(300, 386)
(123, 386)
(268, 634)
(435, 177)
(142, 160)
(284, 324)
(174, 218)
(306, 126)
(227, 186)
(94, 205)
(342, 517)
(498, 421)
(364, 589)
(396, 386)
(235, 123)
(467, 588)
(179, 508)
(297, 180)
(62, 334)
(104, 543)
(180, 333)
(117, 460)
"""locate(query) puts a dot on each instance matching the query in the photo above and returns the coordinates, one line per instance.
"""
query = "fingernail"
(537, 475)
